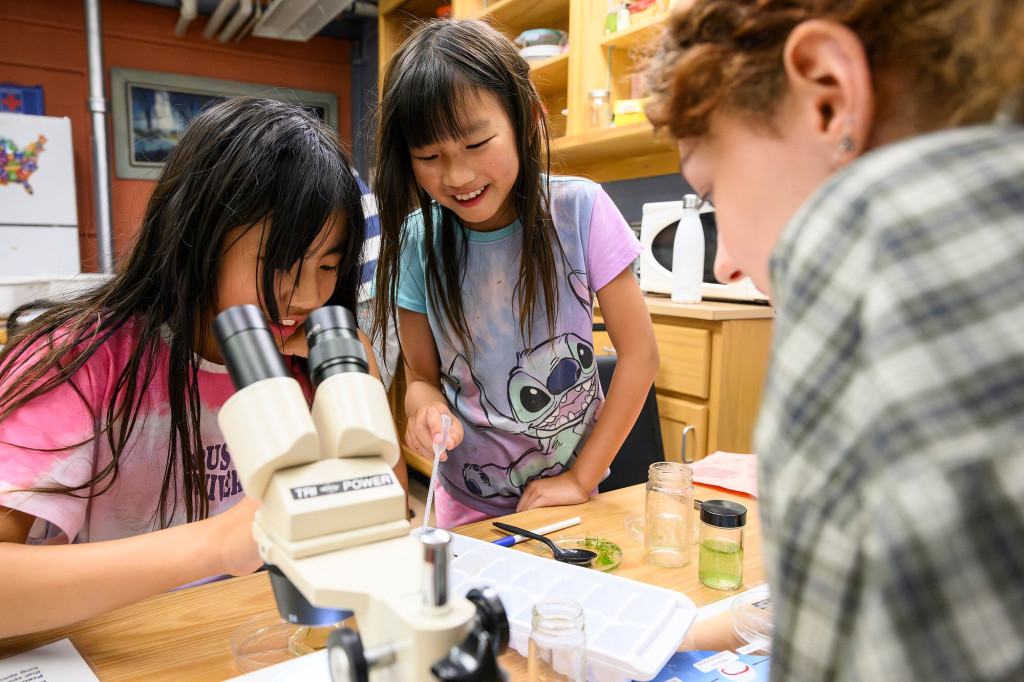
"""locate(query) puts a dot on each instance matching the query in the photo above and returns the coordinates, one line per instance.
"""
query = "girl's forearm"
(420, 392)
(55, 585)
(631, 382)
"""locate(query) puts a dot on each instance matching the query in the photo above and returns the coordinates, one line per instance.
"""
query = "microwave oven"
(657, 234)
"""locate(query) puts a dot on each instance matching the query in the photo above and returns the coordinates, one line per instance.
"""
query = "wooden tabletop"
(187, 634)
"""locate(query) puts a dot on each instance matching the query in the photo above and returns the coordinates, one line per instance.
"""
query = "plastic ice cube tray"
(632, 628)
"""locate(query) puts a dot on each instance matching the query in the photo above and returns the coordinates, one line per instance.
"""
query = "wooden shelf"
(644, 29)
(419, 8)
(592, 61)
(630, 151)
(551, 75)
(523, 14)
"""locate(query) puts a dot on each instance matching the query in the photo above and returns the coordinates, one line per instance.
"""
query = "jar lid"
(598, 93)
(723, 513)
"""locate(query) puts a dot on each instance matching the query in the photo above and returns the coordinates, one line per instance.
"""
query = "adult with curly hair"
(866, 161)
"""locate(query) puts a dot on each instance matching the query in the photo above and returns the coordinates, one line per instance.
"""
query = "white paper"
(308, 668)
(56, 662)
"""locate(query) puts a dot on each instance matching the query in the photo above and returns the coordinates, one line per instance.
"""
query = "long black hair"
(430, 82)
(244, 162)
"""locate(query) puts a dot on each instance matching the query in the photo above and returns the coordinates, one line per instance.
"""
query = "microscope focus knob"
(348, 661)
(476, 658)
(346, 658)
(491, 613)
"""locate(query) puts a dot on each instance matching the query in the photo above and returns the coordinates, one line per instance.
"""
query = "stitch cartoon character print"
(552, 392)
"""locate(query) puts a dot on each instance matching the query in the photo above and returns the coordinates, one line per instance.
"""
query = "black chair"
(642, 447)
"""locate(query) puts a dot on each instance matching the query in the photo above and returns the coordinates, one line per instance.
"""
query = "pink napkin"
(727, 470)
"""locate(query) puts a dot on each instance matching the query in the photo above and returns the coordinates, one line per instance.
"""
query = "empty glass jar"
(668, 515)
(558, 643)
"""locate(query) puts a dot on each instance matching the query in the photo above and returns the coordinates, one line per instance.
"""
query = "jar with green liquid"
(720, 557)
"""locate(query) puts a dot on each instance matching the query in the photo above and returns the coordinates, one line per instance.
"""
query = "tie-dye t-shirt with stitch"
(526, 408)
(28, 458)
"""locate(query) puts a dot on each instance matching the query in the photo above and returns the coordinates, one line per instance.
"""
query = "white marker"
(510, 540)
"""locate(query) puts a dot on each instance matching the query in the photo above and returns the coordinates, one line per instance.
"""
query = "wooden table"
(187, 634)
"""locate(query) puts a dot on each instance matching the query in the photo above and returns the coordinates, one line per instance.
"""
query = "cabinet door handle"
(685, 431)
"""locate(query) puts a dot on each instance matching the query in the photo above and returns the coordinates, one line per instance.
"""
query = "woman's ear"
(830, 81)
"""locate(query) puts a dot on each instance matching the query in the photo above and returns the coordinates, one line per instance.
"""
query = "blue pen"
(510, 540)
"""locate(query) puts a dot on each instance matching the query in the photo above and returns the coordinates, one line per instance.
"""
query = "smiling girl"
(491, 266)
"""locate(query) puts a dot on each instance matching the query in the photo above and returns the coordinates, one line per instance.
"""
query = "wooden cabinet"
(713, 360)
(594, 61)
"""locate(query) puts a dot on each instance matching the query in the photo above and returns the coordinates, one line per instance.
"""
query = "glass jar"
(720, 557)
(599, 110)
(558, 644)
(668, 514)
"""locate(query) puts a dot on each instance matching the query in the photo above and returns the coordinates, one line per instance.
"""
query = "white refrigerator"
(38, 212)
(39, 254)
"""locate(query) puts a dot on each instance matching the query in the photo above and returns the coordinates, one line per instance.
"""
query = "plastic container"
(688, 253)
(753, 618)
(558, 642)
(668, 514)
(632, 628)
(599, 110)
(720, 554)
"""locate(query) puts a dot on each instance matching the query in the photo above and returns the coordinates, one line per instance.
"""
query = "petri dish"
(609, 554)
(268, 639)
(635, 526)
(753, 618)
(262, 641)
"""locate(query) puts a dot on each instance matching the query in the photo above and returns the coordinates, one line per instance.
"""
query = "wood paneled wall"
(44, 44)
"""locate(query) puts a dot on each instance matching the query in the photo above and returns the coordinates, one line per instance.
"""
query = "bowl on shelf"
(537, 52)
(541, 36)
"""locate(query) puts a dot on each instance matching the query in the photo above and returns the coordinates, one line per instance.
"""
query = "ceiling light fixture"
(298, 19)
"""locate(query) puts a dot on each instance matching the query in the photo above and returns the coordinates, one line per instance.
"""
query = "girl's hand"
(424, 430)
(232, 537)
(553, 491)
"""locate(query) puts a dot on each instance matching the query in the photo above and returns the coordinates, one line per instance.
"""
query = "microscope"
(333, 527)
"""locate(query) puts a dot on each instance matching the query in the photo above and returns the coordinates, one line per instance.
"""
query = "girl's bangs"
(306, 198)
(437, 98)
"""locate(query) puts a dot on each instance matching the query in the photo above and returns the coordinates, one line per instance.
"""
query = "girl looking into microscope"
(115, 481)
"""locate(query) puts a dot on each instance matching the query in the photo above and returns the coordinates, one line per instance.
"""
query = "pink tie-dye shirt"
(60, 418)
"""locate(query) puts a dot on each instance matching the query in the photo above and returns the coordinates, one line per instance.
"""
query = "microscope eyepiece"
(247, 346)
(334, 345)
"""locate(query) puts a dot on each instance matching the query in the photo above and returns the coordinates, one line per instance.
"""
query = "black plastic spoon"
(579, 557)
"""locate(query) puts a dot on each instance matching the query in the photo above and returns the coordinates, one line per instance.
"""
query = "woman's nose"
(726, 270)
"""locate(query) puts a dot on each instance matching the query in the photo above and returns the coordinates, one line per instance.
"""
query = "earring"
(846, 145)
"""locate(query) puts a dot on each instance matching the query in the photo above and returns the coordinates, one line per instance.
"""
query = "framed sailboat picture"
(151, 110)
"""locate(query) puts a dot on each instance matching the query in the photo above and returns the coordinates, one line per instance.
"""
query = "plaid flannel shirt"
(891, 432)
